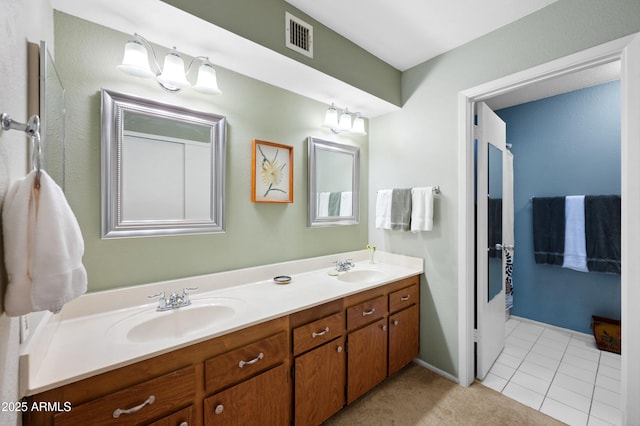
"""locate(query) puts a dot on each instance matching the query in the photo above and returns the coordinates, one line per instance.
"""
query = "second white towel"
(422, 209)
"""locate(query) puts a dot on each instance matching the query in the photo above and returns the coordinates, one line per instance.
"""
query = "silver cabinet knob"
(219, 409)
(339, 349)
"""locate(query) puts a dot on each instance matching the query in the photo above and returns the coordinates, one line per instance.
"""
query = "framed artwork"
(271, 172)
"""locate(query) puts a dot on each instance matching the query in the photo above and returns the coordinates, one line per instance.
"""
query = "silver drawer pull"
(184, 424)
(405, 298)
(320, 333)
(395, 322)
(219, 409)
(384, 328)
(253, 361)
(371, 312)
(119, 411)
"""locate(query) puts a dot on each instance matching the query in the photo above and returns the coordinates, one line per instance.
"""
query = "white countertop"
(85, 339)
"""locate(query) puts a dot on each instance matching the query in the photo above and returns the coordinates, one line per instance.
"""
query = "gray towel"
(548, 229)
(334, 204)
(401, 209)
(602, 224)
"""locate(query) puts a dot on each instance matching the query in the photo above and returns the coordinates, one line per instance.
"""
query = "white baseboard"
(554, 327)
(435, 370)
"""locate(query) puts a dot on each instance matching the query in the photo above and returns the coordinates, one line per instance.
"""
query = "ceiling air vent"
(299, 35)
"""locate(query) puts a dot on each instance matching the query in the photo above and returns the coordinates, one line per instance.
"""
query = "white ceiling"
(405, 33)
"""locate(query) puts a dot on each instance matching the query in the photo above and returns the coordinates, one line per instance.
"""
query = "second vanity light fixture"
(344, 122)
(172, 76)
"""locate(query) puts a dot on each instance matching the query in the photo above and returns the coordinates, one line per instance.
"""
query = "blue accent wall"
(563, 145)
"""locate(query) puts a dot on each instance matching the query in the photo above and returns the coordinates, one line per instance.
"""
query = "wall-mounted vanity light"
(344, 122)
(172, 76)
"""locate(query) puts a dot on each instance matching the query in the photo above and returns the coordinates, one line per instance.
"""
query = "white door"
(494, 231)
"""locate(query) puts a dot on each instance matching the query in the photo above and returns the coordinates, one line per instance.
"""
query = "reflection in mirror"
(334, 179)
(52, 117)
(494, 215)
(163, 168)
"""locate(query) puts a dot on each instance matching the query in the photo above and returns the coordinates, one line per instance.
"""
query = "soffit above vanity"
(165, 25)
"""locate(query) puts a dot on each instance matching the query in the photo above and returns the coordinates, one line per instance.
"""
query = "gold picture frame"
(271, 172)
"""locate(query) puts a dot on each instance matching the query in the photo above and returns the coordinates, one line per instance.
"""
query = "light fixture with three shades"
(344, 122)
(172, 76)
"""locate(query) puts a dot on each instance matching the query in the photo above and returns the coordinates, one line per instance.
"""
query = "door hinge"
(476, 335)
(293, 372)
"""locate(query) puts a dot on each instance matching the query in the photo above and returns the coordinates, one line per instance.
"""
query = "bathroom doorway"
(627, 50)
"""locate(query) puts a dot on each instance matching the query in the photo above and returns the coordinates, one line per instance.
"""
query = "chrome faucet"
(344, 265)
(174, 301)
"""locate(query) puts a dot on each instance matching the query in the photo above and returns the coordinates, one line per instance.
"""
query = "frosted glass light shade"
(136, 60)
(345, 121)
(358, 126)
(331, 117)
(172, 77)
(207, 81)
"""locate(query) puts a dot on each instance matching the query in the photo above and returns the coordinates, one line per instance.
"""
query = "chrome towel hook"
(32, 129)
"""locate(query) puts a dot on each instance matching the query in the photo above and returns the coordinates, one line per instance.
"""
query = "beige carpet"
(417, 396)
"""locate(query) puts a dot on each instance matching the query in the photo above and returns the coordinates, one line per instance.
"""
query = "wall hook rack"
(31, 127)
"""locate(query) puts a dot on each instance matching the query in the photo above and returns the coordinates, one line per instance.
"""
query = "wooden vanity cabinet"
(319, 363)
(366, 346)
(180, 381)
(404, 327)
(301, 368)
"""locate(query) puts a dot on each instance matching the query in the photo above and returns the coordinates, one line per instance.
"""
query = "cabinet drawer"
(245, 362)
(366, 312)
(402, 298)
(145, 402)
(317, 332)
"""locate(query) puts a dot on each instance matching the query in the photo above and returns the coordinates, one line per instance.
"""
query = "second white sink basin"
(151, 325)
(361, 275)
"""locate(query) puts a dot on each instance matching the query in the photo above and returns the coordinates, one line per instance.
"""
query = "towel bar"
(436, 190)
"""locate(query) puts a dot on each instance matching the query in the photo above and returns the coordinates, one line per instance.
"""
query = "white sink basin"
(151, 325)
(361, 276)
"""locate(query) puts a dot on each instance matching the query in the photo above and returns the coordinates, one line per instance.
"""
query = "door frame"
(626, 50)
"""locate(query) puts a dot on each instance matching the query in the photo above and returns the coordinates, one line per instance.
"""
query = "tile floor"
(558, 372)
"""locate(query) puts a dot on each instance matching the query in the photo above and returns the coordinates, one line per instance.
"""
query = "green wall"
(263, 22)
(418, 145)
(256, 233)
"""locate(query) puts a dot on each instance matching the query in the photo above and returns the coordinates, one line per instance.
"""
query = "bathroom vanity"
(294, 353)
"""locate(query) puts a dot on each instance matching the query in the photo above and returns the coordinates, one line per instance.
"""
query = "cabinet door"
(261, 401)
(319, 383)
(366, 359)
(404, 338)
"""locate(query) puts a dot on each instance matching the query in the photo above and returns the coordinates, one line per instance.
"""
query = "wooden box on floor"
(607, 333)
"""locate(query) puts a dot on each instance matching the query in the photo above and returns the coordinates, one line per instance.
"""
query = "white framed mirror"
(163, 168)
(334, 183)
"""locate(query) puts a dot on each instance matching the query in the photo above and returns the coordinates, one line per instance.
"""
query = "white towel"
(43, 248)
(383, 209)
(346, 199)
(575, 246)
(422, 209)
(323, 204)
